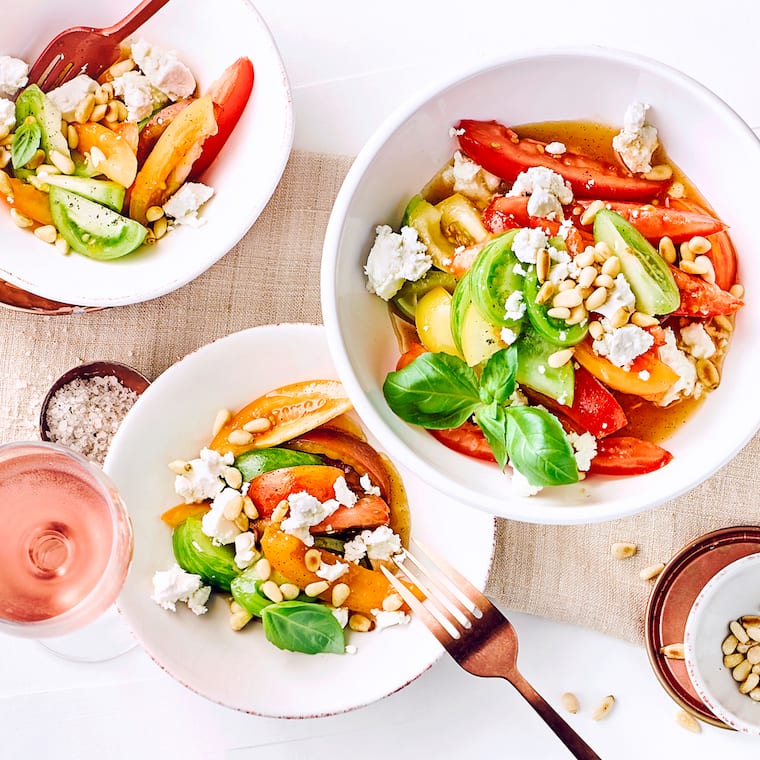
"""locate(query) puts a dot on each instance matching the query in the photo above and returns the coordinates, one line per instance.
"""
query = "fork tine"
(52, 74)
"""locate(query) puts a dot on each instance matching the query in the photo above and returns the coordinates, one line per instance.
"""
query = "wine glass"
(67, 549)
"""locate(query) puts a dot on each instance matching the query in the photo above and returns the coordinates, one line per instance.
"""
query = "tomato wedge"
(230, 94)
(466, 439)
(157, 125)
(177, 515)
(29, 201)
(120, 162)
(700, 298)
(502, 152)
(414, 350)
(290, 411)
(655, 222)
(626, 455)
(129, 131)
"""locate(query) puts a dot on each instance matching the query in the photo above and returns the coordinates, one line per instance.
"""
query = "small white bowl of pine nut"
(722, 644)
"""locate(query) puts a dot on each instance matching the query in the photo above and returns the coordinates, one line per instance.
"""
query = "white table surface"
(350, 63)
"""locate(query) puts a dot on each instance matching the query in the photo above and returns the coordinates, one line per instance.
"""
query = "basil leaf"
(436, 391)
(539, 448)
(26, 140)
(303, 627)
(497, 381)
(492, 420)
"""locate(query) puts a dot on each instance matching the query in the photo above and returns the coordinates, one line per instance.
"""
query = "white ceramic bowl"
(701, 134)
(208, 37)
(728, 595)
(243, 670)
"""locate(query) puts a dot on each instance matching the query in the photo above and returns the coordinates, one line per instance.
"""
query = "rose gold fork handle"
(551, 717)
(134, 20)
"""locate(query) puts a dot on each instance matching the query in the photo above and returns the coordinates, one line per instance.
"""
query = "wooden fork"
(84, 49)
(474, 633)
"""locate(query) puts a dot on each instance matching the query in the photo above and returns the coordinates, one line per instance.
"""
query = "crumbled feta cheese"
(585, 449)
(351, 649)
(514, 306)
(183, 206)
(343, 494)
(394, 258)
(548, 191)
(176, 585)
(245, 550)
(636, 141)
(341, 615)
(454, 132)
(696, 341)
(622, 345)
(686, 385)
(385, 619)
(369, 488)
(519, 270)
(555, 148)
(470, 179)
(508, 336)
(620, 295)
(644, 375)
(331, 573)
(521, 486)
(7, 115)
(68, 96)
(204, 478)
(306, 511)
(381, 543)
(527, 243)
(164, 70)
(140, 97)
(13, 75)
(215, 525)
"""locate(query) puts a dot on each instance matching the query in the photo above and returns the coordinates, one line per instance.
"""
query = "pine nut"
(160, 226)
(61, 245)
(587, 276)
(708, 373)
(595, 327)
(223, 416)
(241, 521)
(20, 220)
(62, 162)
(604, 281)
(112, 111)
(586, 258)
(312, 559)
(4, 131)
(667, 250)
(289, 591)
(652, 571)
(392, 603)
(738, 630)
(543, 264)
(98, 112)
(567, 298)
(677, 190)
(742, 670)
(121, 67)
(602, 252)
(271, 591)
(603, 708)
(280, 511)
(239, 619)
(46, 169)
(47, 233)
(570, 702)
(258, 425)
(84, 108)
(233, 507)
(233, 478)
(101, 96)
(750, 620)
(640, 319)
(340, 593)
(749, 683)
(723, 323)
(659, 173)
(359, 623)
(611, 267)
(729, 644)
(5, 158)
(685, 252)
(239, 437)
(107, 88)
(560, 358)
(704, 262)
(737, 290)
(742, 648)
(753, 631)
(154, 213)
(566, 285)
(559, 313)
(588, 215)
(699, 245)
(596, 299)
(732, 660)
(755, 694)
(249, 508)
(687, 721)
(316, 588)
(577, 315)
(620, 317)
(623, 550)
(5, 184)
(673, 651)
(545, 292)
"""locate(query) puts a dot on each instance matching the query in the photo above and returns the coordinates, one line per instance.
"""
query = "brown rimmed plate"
(18, 299)
(671, 599)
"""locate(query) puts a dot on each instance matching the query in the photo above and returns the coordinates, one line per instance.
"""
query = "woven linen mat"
(558, 572)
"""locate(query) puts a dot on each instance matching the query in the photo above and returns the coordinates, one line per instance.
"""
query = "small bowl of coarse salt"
(85, 406)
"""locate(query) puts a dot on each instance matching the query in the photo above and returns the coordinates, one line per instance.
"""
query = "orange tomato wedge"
(29, 202)
(289, 411)
(120, 162)
(129, 131)
(647, 377)
(169, 163)
(177, 515)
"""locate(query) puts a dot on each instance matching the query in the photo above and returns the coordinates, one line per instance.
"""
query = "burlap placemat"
(563, 573)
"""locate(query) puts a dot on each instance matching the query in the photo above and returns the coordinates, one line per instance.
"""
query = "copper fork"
(474, 633)
(85, 49)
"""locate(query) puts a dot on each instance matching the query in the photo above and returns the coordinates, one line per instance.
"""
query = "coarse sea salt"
(85, 413)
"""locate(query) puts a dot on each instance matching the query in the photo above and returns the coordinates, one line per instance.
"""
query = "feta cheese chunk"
(471, 179)
(637, 140)
(527, 243)
(204, 478)
(521, 485)
(514, 306)
(343, 494)
(508, 336)
(176, 585)
(184, 205)
(686, 385)
(394, 258)
(68, 96)
(696, 341)
(7, 115)
(245, 550)
(306, 511)
(140, 97)
(385, 619)
(620, 295)
(163, 70)
(215, 525)
(380, 544)
(14, 74)
(331, 573)
(556, 148)
(585, 449)
(622, 345)
(548, 191)
(369, 487)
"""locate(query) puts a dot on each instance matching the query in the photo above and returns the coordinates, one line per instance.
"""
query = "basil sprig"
(26, 141)
(441, 391)
(303, 627)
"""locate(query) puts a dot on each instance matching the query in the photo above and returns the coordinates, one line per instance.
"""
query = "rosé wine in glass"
(67, 541)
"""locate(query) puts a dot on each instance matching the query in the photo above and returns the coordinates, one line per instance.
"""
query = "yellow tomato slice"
(171, 159)
(289, 411)
(120, 162)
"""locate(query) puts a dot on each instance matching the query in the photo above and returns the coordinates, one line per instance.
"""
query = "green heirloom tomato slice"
(534, 372)
(410, 293)
(557, 331)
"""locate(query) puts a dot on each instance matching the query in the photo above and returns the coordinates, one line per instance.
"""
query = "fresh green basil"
(436, 391)
(497, 381)
(26, 141)
(539, 448)
(492, 420)
(303, 627)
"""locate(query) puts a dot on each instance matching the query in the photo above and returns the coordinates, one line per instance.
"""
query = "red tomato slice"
(626, 455)
(369, 512)
(466, 439)
(499, 150)
(654, 222)
(156, 125)
(230, 94)
(700, 298)
(414, 350)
